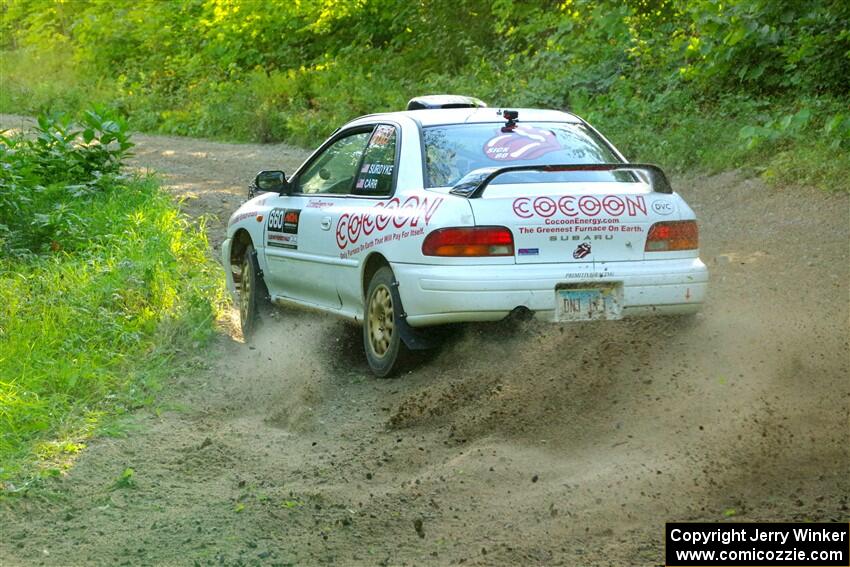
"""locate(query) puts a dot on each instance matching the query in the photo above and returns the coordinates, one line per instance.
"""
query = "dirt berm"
(515, 444)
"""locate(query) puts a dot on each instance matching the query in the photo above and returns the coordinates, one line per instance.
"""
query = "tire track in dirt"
(514, 444)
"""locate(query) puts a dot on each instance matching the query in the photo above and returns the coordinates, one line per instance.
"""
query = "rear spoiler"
(473, 184)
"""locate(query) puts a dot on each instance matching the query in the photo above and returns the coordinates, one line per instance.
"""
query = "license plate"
(588, 303)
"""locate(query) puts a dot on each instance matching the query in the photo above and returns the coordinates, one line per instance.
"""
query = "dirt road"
(521, 444)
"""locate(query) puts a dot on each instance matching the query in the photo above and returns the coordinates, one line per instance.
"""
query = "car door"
(298, 234)
(345, 232)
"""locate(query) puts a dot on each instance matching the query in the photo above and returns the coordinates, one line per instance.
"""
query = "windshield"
(453, 151)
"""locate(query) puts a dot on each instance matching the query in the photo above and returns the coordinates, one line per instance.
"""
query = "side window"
(375, 177)
(335, 168)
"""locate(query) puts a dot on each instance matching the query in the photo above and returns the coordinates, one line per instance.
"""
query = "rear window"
(453, 151)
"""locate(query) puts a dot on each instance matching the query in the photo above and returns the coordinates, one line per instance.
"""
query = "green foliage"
(127, 479)
(837, 131)
(789, 126)
(657, 71)
(771, 46)
(101, 280)
(42, 174)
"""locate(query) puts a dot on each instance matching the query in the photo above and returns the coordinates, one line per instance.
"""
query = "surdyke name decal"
(397, 215)
(572, 206)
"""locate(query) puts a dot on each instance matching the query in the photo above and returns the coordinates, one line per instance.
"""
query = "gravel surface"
(514, 444)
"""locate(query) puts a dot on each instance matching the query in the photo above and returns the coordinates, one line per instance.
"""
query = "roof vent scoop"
(444, 101)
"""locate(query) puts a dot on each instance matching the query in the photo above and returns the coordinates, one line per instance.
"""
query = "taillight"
(672, 235)
(469, 241)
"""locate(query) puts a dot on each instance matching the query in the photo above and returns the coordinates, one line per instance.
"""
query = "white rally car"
(454, 212)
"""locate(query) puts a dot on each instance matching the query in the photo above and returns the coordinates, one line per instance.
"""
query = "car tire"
(382, 321)
(251, 293)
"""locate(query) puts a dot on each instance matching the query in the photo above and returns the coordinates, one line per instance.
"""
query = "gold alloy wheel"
(244, 293)
(381, 323)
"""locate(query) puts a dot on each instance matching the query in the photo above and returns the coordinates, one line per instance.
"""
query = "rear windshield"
(453, 151)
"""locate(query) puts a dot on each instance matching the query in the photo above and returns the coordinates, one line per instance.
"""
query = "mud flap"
(264, 290)
(414, 339)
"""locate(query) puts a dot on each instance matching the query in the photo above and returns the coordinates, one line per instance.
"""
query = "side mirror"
(269, 181)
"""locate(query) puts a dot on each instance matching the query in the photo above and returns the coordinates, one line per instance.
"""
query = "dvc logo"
(662, 207)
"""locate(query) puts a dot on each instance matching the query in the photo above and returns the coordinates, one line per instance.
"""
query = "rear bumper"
(434, 295)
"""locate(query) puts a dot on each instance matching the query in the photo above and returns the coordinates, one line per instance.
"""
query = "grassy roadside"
(102, 283)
